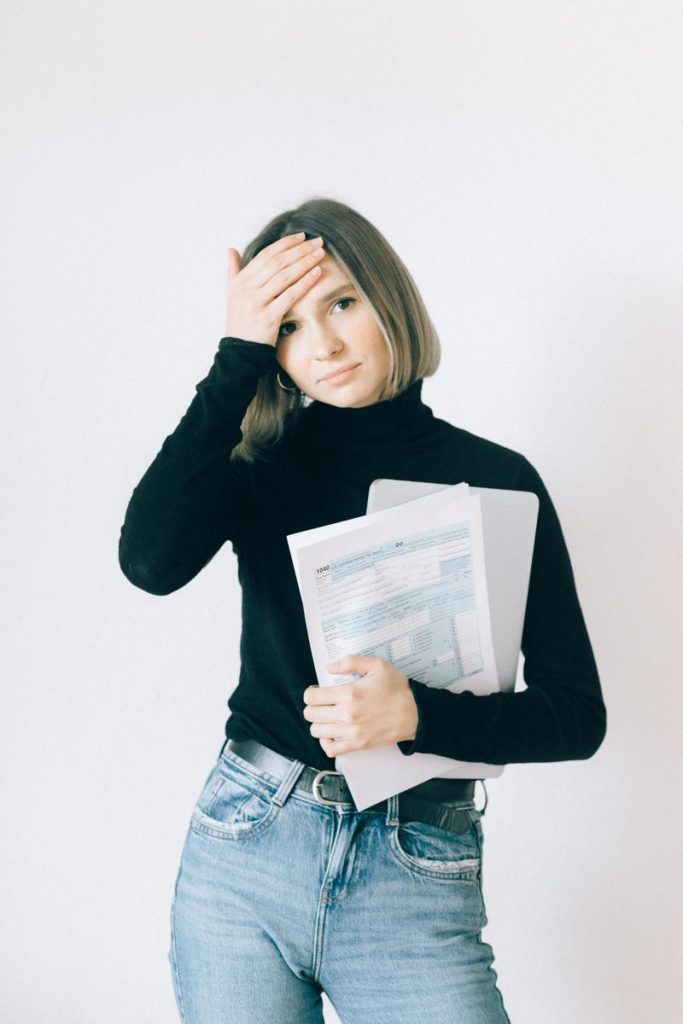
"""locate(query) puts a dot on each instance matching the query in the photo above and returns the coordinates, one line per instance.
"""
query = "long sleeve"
(193, 498)
(561, 714)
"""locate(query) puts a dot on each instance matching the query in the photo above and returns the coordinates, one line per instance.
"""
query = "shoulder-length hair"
(385, 286)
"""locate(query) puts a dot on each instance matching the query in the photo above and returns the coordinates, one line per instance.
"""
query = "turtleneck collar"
(402, 418)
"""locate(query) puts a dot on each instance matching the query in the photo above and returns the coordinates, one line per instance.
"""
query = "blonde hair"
(385, 286)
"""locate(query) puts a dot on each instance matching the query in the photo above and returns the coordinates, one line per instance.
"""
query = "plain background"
(525, 160)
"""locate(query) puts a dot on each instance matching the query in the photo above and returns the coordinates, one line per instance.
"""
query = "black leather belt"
(428, 801)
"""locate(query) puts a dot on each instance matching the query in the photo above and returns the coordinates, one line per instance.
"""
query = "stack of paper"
(408, 583)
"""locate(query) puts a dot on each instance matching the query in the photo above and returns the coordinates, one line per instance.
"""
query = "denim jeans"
(279, 898)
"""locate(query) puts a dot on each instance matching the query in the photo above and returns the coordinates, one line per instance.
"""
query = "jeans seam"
(174, 963)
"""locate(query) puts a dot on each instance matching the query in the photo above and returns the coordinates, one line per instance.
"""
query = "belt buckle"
(316, 790)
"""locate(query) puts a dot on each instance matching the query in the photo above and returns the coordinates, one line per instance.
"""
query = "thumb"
(234, 264)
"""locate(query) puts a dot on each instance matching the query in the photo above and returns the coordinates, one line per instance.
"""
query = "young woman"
(285, 889)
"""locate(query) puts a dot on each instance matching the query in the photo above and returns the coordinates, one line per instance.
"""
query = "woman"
(284, 889)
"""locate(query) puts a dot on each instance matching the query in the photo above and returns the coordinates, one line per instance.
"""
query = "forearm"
(549, 724)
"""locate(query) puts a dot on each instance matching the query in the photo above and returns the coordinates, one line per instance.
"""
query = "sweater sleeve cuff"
(252, 356)
(416, 745)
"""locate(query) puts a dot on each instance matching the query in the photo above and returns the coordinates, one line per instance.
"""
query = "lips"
(338, 373)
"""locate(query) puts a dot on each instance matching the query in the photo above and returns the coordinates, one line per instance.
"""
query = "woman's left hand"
(377, 709)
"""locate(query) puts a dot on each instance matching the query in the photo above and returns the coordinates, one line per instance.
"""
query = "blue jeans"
(279, 898)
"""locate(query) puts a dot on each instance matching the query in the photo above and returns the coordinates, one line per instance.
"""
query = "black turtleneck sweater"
(193, 498)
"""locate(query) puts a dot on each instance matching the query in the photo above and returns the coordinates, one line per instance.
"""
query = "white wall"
(526, 161)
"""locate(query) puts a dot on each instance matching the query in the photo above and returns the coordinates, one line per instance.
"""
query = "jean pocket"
(432, 852)
(232, 805)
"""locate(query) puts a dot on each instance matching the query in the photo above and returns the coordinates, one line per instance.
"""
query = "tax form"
(407, 584)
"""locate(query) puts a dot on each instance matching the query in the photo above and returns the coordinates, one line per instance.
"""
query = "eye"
(292, 323)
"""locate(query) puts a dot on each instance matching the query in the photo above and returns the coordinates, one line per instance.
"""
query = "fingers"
(281, 269)
(273, 255)
(282, 295)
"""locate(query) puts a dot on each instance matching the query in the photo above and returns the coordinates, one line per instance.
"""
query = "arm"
(192, 497)
(561, 715)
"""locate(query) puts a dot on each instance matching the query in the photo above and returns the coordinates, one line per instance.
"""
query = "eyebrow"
(345, 287)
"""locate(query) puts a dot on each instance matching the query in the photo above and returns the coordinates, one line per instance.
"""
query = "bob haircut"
(385, 286)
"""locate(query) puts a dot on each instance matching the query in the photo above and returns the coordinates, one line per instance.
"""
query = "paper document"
(407, 584)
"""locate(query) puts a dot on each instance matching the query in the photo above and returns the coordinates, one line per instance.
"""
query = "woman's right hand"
(260, 294)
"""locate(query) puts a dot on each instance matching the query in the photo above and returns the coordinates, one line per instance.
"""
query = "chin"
(361, 399)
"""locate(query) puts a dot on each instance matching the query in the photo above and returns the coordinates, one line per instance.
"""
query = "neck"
(402, 418)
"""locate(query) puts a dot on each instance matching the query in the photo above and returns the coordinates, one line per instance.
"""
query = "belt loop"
(289, 782)
(392, 810)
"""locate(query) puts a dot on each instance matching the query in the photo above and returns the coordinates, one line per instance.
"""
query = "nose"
(324, 343)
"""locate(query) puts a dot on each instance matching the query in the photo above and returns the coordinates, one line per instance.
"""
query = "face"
(321, 335)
